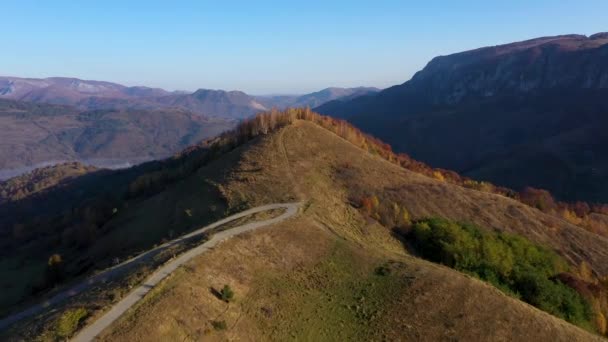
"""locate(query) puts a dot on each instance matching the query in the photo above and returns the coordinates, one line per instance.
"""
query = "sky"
(267, 47)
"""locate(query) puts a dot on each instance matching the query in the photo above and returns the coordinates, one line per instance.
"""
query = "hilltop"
(335, 265)
(522, 114)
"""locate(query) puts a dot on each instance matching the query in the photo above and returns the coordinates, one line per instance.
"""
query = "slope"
(316, 277)
(306, 277)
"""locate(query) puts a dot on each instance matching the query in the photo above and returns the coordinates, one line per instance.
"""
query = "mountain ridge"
(465, 111)
(94, 95)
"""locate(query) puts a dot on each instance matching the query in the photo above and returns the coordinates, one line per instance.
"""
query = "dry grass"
(284, 277)
(100, 297)
(298, 281)
(284, 286)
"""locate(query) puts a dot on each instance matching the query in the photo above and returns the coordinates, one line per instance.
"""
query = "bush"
(511, 263)
(219, 325)
(382, 271)
(227, 294)
(69, 322)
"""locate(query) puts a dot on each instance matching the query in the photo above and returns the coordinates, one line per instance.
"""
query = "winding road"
(88, 333)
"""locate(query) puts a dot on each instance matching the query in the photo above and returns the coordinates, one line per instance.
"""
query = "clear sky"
(264, 47)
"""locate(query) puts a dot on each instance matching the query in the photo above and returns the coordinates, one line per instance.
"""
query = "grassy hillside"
(298, 281)
(333, 273)
(334, 266)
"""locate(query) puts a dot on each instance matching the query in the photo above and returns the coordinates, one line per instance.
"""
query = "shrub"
(219, 325)
(227, 294)
(382, 271)
(511, 263)
(69, 322)
(438, 176)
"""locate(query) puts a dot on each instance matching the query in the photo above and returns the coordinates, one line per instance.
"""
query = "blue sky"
(265, 47)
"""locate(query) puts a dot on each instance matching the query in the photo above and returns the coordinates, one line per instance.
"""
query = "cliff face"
(566, 62)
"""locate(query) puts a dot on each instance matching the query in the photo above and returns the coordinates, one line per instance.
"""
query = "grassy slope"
(299, 281)
(313, 278)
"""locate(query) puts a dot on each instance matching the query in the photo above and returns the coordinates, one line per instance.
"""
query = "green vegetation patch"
(68, 322)
(511, 263)
(227, 294)
(344, 297)
(219, 325)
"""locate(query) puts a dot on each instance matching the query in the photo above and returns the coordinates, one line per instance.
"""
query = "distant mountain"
(33, 135)
(527, 113)
(52, 120)
(315, 99)
(69, 91)
(232, 104)
(94, 95)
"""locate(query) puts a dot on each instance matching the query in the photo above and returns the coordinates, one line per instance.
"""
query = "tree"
(227, 294)
(438, 176)
(538, 198)
(54, 270)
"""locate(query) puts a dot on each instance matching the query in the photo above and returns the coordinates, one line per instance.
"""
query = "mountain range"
(531, 113)
(93, 95)
(46, 121)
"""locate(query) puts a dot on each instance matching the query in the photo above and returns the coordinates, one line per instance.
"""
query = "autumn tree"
(55, 270)
(538, 198)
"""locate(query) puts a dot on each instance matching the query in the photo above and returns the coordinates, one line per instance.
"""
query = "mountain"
(39, 134)
(69, 91)
(231, 104)
(348, 259)
(523, 114)
(53, 120)
(98, 95)
(315, 99)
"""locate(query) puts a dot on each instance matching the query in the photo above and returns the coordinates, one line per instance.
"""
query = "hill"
(344, 262)
(35, 134)
(40, 179)
(507, 114)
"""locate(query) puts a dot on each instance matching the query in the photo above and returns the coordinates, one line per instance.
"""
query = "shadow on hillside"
(216, 293)
(402, 235)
